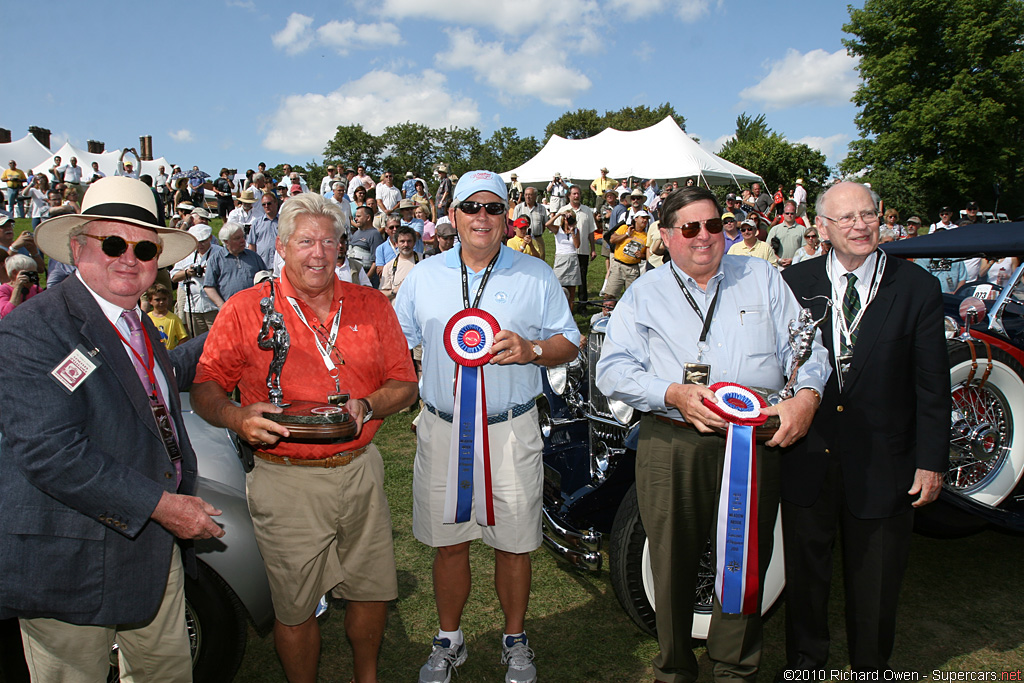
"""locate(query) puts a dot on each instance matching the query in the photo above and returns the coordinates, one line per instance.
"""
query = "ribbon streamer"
(468, 337)
(737, 581)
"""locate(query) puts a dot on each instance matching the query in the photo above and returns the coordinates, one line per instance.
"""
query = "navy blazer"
(892, 416)
(81, 473)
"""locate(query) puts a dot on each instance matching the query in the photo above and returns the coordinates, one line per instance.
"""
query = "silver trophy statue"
(311, 421)
(274, 335)
(801, 340)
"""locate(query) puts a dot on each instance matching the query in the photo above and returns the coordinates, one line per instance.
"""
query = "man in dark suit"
(879, 444)
(96, 470)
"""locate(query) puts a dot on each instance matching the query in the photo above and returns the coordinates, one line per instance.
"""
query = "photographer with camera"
(23, 284)
(194, 307)
(567, 242)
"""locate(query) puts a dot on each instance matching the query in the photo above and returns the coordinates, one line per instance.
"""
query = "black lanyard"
(483, 282)
(696, 309)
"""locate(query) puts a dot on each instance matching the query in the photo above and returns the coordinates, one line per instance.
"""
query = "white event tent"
(107, 161)
(663, 151)
(27, 152)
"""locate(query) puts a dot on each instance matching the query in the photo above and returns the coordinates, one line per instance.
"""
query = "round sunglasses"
(113, 246)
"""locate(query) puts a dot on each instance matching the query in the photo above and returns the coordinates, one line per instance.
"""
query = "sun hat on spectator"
(247, 197)
(445, 230)
(203, 213)
(120, 199)
(728, 215)
(200, 232)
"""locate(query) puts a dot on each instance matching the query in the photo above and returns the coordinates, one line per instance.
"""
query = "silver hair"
(258, 176)
(310, 204)
(19, 262)
(819, 203)
(229, 230)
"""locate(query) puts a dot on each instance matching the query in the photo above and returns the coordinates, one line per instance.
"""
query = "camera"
(199, 270)
(33, 277)
(246, 227)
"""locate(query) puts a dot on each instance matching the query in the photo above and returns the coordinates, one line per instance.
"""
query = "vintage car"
(590, 441)
(231, 588)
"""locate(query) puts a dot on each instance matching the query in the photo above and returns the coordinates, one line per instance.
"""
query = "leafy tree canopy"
(759, 149)
(585, 123)
(941, 101)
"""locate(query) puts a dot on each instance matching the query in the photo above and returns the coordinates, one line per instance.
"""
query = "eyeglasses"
(114, 246)
(493, 208)
(692, 229)
(848, 220)
(811, 237)
(789, 213)
(748, 229)
(268, 203)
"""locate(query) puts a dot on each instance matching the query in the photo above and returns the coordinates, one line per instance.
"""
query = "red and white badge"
(71, 372)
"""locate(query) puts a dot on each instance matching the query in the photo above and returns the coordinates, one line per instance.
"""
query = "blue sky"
(234, 82)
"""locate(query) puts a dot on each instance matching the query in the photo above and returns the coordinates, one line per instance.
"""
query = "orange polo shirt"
(370, 342)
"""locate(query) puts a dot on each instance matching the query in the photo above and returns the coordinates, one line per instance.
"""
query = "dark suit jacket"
(81, 473)
(892, 416)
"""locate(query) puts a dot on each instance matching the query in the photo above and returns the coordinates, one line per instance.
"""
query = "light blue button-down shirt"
(653, 332)
(522, 294)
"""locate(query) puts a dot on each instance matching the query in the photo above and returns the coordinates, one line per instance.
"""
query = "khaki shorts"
(322, 530)
(518, 485)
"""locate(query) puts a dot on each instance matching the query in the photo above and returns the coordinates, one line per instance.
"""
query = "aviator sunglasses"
(692, 229)
(493, 208)
(114, 246)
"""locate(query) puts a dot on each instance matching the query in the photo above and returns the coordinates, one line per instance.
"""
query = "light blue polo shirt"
(522, 294)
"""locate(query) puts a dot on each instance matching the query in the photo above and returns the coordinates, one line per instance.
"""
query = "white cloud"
(688, 11)
(817, 77)
(511, 18)
(303, 124)
(296, 36)
(831, 146)
(345, 35)
(542, 67)
(183, 135)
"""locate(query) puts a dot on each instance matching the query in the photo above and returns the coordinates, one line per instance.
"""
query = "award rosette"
(468, 337)
(736, 561)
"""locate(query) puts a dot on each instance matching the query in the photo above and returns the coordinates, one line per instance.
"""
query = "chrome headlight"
(622, 412)
(950, 326)
(600, 460)
(558, 378)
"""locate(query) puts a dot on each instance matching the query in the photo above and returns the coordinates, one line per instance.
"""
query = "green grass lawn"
(961, 609)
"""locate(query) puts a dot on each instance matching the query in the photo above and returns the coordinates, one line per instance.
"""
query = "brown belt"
(336, 460)
(674, 423)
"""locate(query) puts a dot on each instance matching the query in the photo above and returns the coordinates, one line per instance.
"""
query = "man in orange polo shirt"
(319, 511)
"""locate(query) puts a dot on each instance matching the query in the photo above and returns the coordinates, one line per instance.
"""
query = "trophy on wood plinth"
(329, 421)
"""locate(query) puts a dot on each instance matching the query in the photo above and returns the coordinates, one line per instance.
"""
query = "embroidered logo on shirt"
(500, 297)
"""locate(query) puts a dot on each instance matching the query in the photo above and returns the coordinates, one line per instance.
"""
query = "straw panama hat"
(120, 199)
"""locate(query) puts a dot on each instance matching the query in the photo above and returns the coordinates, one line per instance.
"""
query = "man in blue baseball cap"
(489, 316)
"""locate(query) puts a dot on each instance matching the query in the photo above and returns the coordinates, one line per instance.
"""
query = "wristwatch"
(369, 410)
(538, 350)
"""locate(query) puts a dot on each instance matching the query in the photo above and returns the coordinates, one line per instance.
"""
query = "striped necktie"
(851, 307)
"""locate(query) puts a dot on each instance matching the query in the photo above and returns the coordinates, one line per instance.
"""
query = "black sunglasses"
(114, 246)
(692, 229)
(493, 208)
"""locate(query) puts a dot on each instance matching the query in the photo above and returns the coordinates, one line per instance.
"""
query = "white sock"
(454, 637)
(506, 636)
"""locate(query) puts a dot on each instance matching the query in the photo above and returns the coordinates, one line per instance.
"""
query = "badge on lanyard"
(71, 372)
(696, 373)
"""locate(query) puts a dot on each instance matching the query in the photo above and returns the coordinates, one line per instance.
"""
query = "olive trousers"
(678, 477)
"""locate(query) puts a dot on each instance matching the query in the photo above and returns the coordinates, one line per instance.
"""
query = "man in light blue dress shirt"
(727, 318)
(537, 329)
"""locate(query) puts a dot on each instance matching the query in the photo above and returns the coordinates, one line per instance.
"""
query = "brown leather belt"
(336, 460)
(674, 423)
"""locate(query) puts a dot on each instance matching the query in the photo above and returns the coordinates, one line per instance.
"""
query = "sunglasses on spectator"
(748, 229)
(113, 246)
(811, 237)
(493, 208)
(692, 229)
(789, 213)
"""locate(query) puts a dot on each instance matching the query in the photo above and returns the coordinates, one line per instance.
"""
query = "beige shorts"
(517, 481)
(323, 530)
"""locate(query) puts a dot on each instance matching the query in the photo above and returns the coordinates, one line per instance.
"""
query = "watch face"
(538, 350)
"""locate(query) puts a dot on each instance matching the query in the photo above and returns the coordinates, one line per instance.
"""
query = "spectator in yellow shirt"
(629, 242)
(751, 246)
(172, 331)
(523, 240)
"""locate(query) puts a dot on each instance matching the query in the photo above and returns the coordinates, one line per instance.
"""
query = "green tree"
(759, 149)
(941, 99)
(505, 150)
(409, 147)
(585, 123)
(352, 146)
